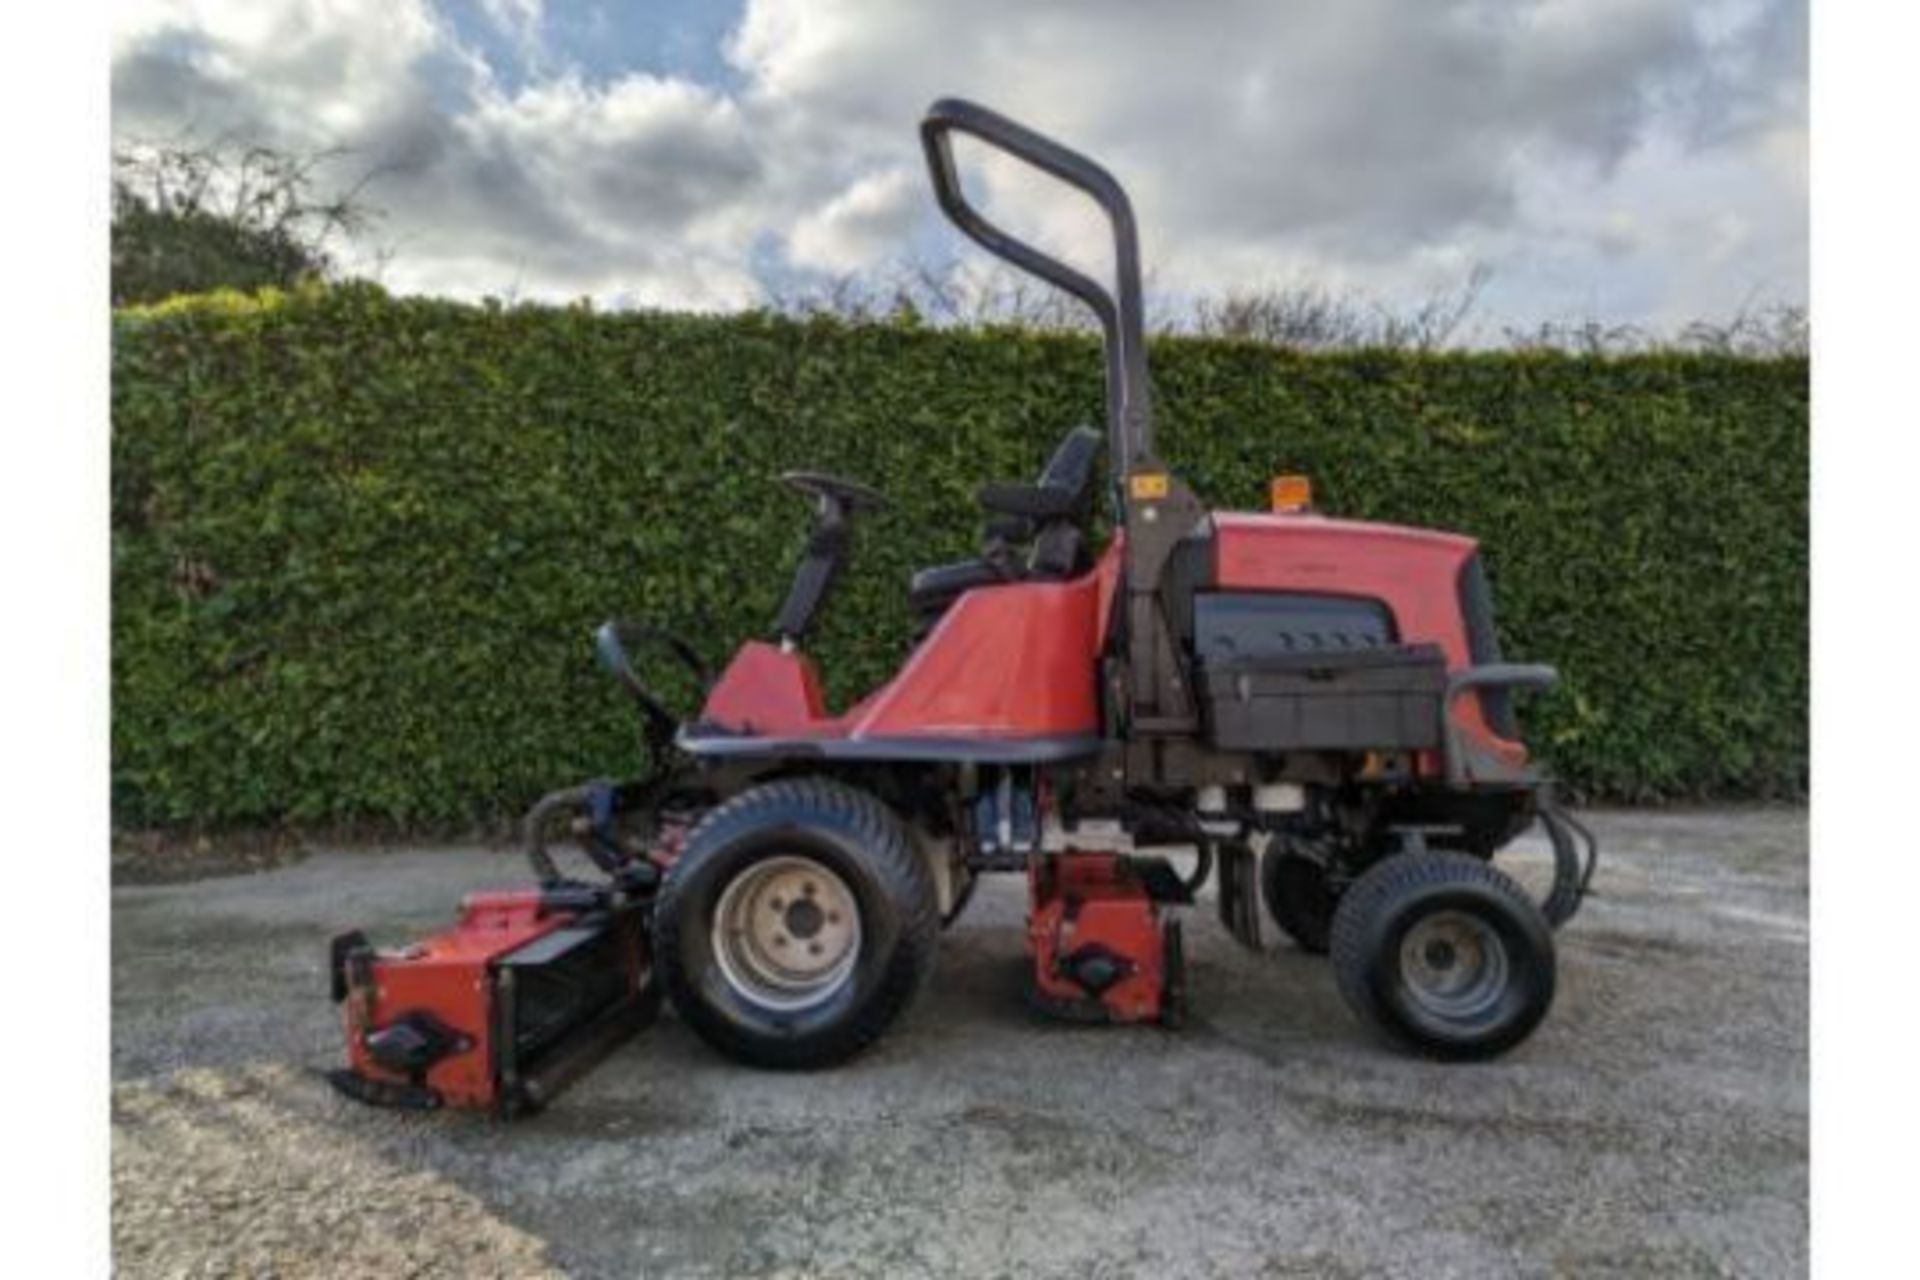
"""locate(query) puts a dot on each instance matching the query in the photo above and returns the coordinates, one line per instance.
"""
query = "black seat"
(933, 589)
(1037, 532)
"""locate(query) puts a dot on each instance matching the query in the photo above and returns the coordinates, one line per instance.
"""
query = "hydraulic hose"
(1575, 855)
(960, 900)
(1202, 866)
(1160, 820)
(540, 817)
(535, 830)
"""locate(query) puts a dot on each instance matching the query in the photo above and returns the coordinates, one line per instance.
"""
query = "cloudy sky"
(1623, 160)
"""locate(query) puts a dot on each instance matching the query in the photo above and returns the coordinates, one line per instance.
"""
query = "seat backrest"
(1071, 468)
(1057, 551)
(1059, 545)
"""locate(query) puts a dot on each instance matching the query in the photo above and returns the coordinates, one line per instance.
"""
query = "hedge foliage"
(359, 543)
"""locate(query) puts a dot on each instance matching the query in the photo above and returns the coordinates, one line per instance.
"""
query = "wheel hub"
(786, 932)
(1455, 965)
(804, 918)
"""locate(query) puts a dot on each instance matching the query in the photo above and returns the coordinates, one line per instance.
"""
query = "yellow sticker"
(1148, 485)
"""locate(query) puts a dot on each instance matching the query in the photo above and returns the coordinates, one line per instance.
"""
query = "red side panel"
(767, 692)
(1012, 661)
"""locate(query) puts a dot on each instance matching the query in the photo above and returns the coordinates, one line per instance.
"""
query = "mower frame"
(1317, 707)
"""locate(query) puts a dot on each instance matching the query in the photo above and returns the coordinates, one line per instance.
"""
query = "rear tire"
(796, 925)
(1444, 954)
(1299, 896)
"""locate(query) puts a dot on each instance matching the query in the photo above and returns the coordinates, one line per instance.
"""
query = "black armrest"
(1494, 675)
(1030, 501)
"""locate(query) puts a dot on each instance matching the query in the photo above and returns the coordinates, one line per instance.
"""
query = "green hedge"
(359, 543)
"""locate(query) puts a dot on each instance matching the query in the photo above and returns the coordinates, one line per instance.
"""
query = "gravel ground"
(1656, 1123)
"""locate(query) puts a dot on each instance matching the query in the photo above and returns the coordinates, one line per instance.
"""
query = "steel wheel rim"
(1455, 965)
(786, 933)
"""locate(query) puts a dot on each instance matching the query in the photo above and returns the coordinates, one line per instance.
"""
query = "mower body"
(1011, 673)
(1310, 714)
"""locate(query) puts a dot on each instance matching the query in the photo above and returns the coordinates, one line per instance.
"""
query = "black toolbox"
(1384, 698)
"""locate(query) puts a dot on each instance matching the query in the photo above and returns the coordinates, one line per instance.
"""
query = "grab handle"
(1129, 415)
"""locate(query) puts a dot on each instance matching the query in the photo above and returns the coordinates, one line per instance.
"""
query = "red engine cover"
(1415, 572)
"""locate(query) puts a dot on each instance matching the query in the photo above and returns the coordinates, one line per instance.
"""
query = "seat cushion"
(1049, 533)
(932, 590)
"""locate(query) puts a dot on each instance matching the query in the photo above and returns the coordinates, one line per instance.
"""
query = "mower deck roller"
(526, 992)
(1315, 710)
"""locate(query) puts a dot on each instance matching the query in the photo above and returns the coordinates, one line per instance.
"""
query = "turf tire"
(1395, 895)
(858, 838)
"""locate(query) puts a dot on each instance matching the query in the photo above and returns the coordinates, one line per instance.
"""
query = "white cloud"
(308, 72)
(1639, 157)
(631, 189)
(1385, 146)
(868, 221)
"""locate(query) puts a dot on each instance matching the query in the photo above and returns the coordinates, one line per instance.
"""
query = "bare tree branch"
(189, 217)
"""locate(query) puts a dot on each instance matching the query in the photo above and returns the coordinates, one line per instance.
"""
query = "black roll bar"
(1129, 414)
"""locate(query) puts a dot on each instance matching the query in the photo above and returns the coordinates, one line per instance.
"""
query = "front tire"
(1444, 954)
(797, 925)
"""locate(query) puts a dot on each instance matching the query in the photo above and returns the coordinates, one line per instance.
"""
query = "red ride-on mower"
(1316, 708)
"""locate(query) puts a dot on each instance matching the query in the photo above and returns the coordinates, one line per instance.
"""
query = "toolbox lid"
(1333, 661)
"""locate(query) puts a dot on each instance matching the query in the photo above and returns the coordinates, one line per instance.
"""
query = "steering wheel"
(616, 641)
(833, 492)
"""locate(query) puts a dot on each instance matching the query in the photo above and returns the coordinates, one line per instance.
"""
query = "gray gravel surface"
(1656, 1124)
